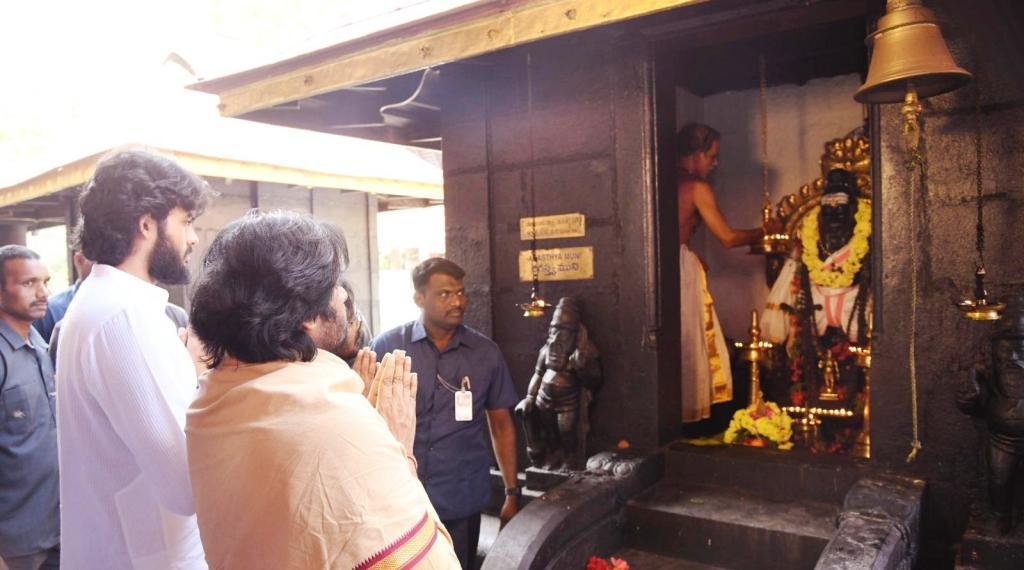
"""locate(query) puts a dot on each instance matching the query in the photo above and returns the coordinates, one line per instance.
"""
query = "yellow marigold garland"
(809, 237)
(764, 421)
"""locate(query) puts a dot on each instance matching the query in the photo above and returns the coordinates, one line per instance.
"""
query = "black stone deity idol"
(555, 412)
(819, 306)
(996, 393)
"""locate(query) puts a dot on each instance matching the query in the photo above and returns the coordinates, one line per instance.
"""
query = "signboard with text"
(548, 227)
(561, 264)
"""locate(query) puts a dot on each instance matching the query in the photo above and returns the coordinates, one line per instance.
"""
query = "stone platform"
(707, 508)
(984, 547)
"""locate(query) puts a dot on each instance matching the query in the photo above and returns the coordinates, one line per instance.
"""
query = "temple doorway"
(777, 101)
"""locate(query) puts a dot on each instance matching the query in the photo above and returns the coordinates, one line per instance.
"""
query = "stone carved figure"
(995, 392)
(555, 411)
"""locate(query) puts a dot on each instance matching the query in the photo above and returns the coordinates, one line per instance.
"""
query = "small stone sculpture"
(996, 393)
(555, 412)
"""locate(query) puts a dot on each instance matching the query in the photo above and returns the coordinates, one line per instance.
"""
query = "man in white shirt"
(125, 377)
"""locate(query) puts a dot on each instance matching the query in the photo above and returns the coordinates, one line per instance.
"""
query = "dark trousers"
(46, 560)
(465, 533)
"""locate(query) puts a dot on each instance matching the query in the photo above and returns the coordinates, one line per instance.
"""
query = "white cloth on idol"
(836, 304)
(124, 381)
(698, 366)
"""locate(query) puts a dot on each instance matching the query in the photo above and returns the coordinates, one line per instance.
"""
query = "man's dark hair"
(695, 137)
(127, 185)
(422, 272)
(262, 278)
(13, 252)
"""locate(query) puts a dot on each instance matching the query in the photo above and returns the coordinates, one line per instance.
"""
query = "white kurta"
(124, 381)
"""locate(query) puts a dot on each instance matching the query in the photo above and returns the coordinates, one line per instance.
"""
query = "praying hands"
(392, 391)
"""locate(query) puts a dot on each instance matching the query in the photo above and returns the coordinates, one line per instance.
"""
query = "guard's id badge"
(464, 402)
(463, 406)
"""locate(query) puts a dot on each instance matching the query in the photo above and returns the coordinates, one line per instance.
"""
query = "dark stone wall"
(595, 117)
(591, 153)
(985, 38)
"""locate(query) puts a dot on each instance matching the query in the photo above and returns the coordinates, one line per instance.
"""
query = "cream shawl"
(293, 469)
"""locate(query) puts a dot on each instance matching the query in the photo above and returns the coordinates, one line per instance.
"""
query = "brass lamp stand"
(755, 352)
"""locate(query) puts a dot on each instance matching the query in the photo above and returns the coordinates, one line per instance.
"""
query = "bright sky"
(77, 70)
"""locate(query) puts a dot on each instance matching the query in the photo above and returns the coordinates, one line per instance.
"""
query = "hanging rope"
(916, 169)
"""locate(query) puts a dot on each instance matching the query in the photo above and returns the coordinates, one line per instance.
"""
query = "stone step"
(779, 475)
(727, 527)
(645, 560)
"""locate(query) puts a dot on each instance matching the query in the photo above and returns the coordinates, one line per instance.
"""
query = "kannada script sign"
(560, 226)
(562, 264)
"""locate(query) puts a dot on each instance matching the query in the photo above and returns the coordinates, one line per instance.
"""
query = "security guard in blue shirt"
(29, 491)
(463, 381)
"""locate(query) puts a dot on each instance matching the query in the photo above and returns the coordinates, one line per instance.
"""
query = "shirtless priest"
(706, 375)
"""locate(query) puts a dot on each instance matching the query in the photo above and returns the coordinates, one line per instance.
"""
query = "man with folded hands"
(292, 466)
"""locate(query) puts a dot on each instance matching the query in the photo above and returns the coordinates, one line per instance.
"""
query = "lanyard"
(447, 385)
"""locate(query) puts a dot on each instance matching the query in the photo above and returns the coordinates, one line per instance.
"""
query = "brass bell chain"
(980, 226)
(980, 307)
(763, 100)
(537, 305)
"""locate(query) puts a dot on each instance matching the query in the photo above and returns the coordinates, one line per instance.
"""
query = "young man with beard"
(292, 467)
(465, 385)
(126, 378)
(29, 494)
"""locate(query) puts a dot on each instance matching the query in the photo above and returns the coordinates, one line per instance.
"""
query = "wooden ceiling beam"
(515, 24)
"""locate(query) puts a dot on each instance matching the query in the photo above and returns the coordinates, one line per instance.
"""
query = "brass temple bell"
(909, 60)
(909, 52)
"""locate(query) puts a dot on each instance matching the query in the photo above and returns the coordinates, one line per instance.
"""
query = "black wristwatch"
(516, 492)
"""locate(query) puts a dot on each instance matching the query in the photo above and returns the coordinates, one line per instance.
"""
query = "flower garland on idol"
(840, 275)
